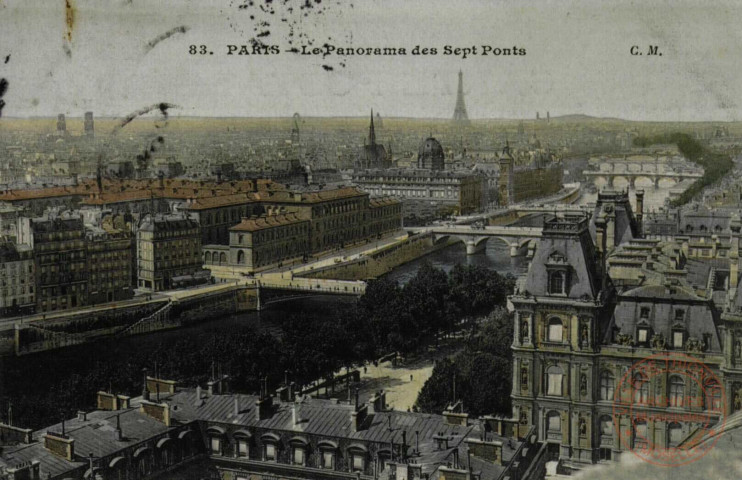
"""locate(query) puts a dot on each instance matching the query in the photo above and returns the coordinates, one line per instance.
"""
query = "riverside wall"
(382, 261)
(74, 328)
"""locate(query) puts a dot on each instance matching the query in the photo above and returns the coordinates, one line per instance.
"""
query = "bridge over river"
(521, 240)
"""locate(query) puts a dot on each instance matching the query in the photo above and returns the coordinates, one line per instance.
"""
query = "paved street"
(401, 391)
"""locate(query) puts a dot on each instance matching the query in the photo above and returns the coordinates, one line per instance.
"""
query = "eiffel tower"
(459, 114)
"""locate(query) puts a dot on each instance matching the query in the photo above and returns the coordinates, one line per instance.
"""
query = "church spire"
(371, 132)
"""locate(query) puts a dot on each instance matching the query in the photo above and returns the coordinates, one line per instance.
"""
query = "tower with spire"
(459, 114)
(371, 131)
(373, 155)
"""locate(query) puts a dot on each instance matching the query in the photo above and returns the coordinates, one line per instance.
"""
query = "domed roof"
(430, 147)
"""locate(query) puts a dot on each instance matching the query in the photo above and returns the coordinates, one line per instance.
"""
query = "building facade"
(426, 192)
(257, 243)
(587, 311)
(520, 183)
(168, 246)
(109, 255)
(60, 259)
(17, 280)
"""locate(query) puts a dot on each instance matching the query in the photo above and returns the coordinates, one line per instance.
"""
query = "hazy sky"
(578, 58)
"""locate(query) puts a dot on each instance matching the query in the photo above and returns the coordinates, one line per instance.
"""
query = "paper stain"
(153, 43)
(3, 89)
(69, 17)
(162, 107)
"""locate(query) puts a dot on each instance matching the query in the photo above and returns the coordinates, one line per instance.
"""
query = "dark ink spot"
(328, 68)
(7, 58)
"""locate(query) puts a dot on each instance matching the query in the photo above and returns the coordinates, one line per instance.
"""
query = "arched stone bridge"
(654, 172)
(521, 240)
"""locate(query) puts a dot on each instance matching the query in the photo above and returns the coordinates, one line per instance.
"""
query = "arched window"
(556, 282)
(606, 385)
(270, 446)
(216, 440)
(641, 388)
(674, 434)
(143, 458)
(358, 455)
(241, 257)
(554, 376)
(299, 447)
(207, 257)
(222, 258)
(555, 330)
(242, 441)
(328, 451)
(165, 448)
(677, 388)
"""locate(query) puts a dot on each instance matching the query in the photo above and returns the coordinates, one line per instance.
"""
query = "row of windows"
(606, 426)
(13, 267)
(709, 398)
(231, 215)
(298, 453)
(16, 291)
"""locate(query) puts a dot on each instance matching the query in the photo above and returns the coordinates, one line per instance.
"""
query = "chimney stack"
(640, 210)
(119, 434)
(601, 241)
(199, 401)
(145, 390)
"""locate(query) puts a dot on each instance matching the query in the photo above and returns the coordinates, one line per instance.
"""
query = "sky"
(577, 58)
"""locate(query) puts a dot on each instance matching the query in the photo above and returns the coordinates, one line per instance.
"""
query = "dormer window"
(557, 281)
(216, 440)
(299, 447)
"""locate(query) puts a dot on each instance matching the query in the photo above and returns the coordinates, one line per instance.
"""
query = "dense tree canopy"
(388, 318)
(482, 372)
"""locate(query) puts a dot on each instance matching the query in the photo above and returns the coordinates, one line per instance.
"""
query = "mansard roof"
(669, 308)
(565, 244)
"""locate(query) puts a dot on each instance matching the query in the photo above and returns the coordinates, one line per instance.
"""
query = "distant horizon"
(441, 119)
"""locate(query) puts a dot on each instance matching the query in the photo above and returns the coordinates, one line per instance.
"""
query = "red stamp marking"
(668, 409)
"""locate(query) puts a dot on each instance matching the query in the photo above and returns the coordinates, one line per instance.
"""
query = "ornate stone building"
(588, 310)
